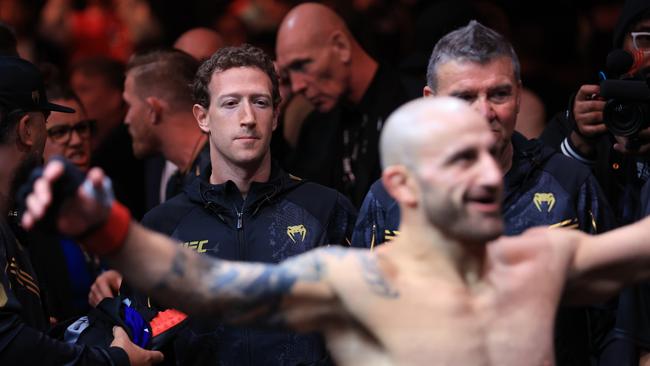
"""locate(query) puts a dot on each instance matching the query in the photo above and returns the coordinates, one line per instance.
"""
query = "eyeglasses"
(61, 134)
(641, 40)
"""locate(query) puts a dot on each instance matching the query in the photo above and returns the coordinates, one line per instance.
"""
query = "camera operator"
(620, 163)
(595, 131)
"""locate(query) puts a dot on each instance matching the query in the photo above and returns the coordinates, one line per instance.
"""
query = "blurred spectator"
(22, 17)
(110, 28)
(160, 120)
(351, 92)
(65, 270)
(232, 29)
(99, 83)
(199, 42)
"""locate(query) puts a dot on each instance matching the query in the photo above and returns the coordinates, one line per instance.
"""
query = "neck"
(9, 160)
(241, 175)
(505, 158)
(363, 70)
(182, 141)
(427, 250)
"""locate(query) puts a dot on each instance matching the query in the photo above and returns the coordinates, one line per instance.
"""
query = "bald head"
(322, 60)
(201, 43)
(310, 22)
(427, 121)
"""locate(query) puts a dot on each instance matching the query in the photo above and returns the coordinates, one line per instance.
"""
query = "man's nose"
(490, 171)
(247, 114)
(484, 107)
(298, 83)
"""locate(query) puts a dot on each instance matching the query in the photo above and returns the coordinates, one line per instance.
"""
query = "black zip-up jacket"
(283, 217)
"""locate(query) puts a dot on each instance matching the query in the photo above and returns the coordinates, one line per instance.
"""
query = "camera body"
(627, 110)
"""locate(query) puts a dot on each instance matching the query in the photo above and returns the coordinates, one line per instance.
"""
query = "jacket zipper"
(241, 243)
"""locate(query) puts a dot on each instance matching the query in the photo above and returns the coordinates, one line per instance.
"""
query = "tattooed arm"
(294, 293)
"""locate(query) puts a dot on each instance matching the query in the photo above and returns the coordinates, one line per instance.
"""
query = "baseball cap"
(22, 87)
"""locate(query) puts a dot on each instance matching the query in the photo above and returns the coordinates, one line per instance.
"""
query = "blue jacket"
(284, 217)
(542, 187)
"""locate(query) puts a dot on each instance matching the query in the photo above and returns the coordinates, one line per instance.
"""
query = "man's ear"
(520, 88)
(427, 92)
(341, 44)
(276, 115)
(156, 107)
(201, 116)
(399, 183)
(26, 131)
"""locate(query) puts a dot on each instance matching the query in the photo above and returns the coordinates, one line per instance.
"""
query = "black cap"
(21, 87)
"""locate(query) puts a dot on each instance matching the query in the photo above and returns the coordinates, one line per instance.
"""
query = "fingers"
(588, 92)
(156, 356)
(106, 285)
(41, 197)
(137, 355)
(53, 171)
(38, 201)
(120, 338)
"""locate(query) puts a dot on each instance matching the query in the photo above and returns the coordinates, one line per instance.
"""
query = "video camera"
(627, 110)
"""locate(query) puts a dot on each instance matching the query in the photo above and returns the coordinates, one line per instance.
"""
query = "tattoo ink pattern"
(375, 278)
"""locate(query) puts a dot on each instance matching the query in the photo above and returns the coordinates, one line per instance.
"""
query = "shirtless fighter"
(445, 292)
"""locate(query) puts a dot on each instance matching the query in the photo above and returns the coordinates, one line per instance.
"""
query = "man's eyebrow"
(240, 95)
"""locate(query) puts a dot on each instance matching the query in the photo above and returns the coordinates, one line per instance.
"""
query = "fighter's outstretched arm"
(294, 293)
(600, 265)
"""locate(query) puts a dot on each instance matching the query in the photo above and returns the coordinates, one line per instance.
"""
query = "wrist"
(108, 237)
(582, 144)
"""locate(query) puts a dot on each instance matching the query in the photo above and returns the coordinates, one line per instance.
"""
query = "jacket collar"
(225, 196)
(529, 157)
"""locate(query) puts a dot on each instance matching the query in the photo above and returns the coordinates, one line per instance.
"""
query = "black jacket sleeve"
(31, 347)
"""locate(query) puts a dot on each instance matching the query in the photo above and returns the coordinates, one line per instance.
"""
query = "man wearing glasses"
(580, 132)
(69, 134)
(621, 168)
(24, 110)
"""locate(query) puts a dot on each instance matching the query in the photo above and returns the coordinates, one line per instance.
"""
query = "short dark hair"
(110, 69)
(166, 73)
(228, 58)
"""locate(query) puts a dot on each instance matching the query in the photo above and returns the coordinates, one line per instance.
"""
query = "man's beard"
(21, 175)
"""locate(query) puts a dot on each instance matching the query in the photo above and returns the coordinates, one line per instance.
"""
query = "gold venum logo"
(540, 198)
(296, 230)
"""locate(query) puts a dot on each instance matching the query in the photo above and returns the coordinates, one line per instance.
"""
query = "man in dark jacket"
(619, 163)
(352, 93)
(541, 187)
(621, 166)
(23, 322)
(246, 208)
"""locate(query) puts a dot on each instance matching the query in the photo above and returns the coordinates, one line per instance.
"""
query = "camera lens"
(625, 118)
